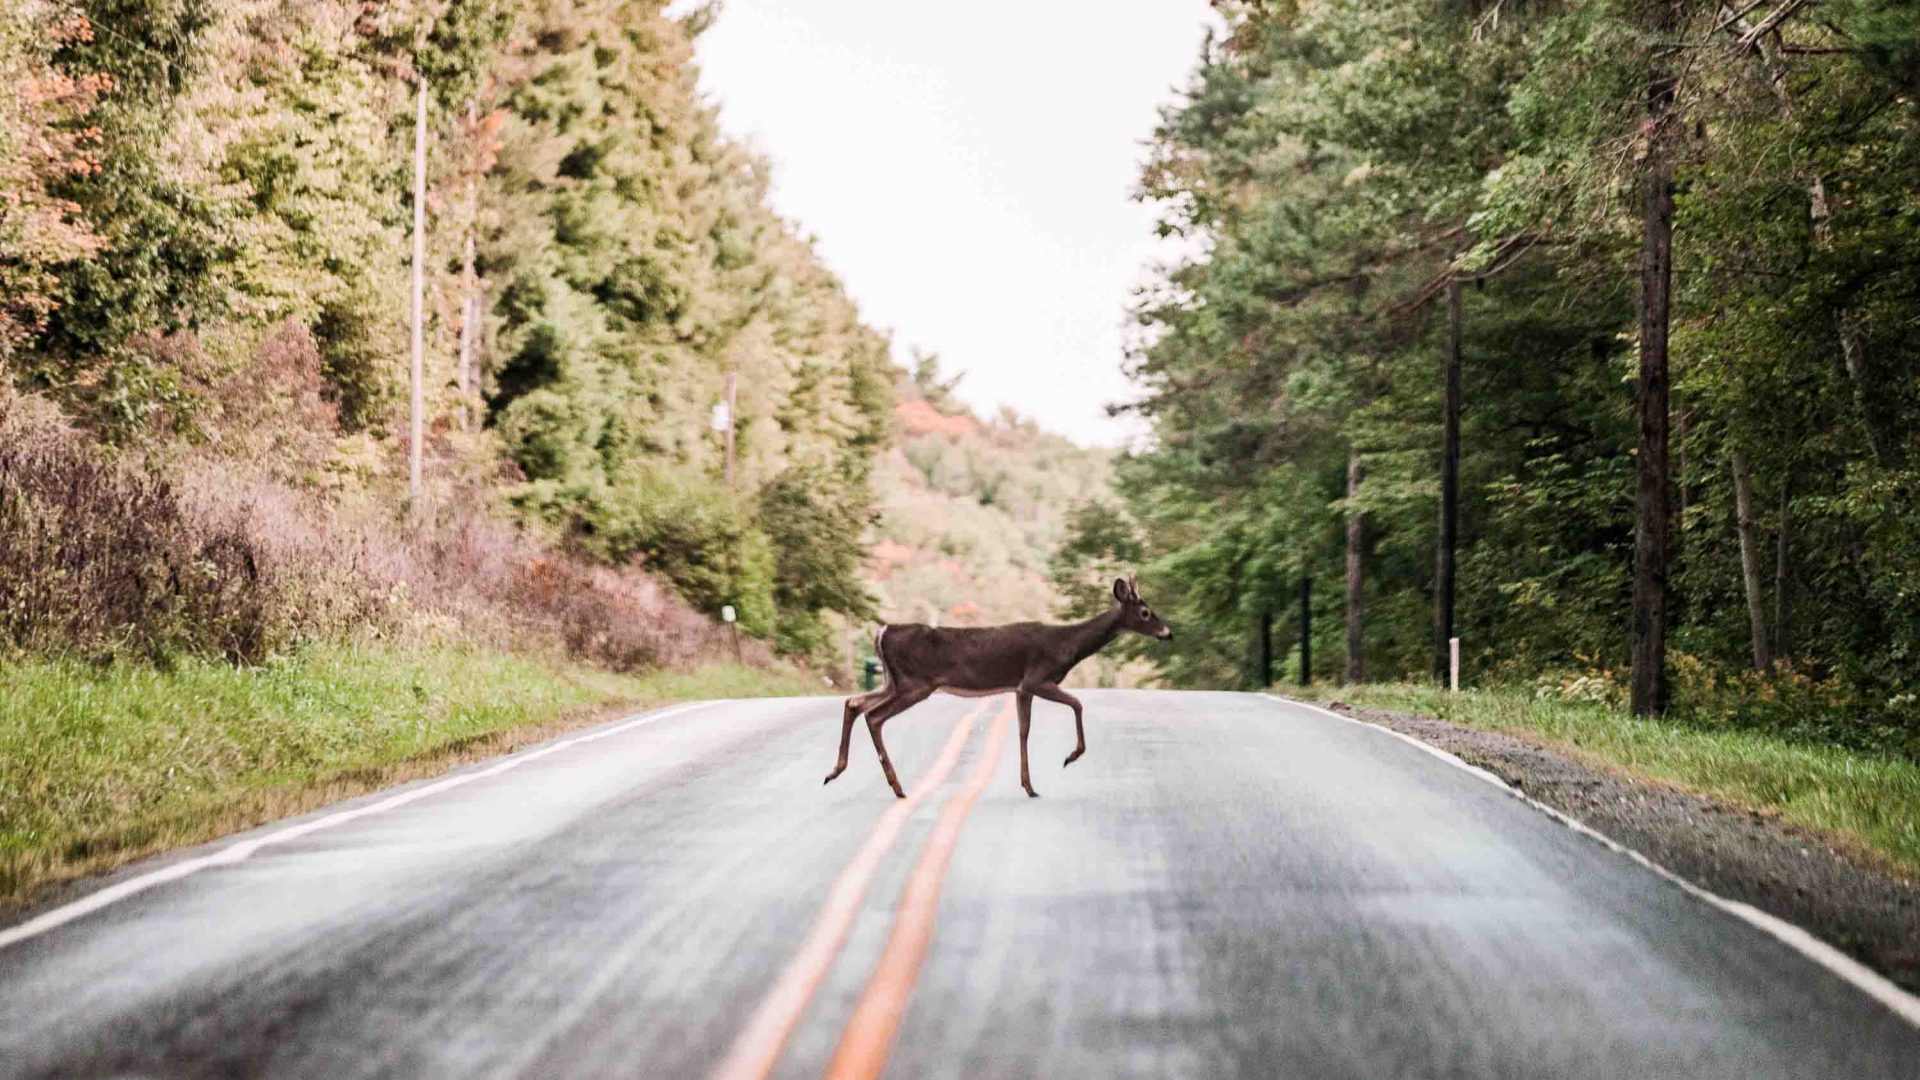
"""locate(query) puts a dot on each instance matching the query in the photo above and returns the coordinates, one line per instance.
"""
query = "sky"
(967, 170)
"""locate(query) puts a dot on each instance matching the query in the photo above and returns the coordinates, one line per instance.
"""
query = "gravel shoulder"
(1794, 873)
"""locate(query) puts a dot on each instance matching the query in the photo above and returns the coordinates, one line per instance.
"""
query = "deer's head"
(1135, 615)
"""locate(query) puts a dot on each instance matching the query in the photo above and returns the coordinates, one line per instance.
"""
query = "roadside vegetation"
(102, 765)
(222, 595)
(205, 270)
(1428, 371)
(1865, 799)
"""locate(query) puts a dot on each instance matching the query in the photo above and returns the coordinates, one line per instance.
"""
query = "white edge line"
(1861, 977)
(241, 850)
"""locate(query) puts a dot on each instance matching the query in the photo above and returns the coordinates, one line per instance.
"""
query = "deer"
(1026, 659)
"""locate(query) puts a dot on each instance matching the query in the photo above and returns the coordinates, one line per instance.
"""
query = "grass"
(1870, 802)
(102, 765)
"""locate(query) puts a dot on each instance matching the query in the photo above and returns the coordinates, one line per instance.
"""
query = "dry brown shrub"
(104, 559)
(218, 554)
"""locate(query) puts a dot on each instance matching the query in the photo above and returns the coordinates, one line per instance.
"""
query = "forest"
(1582, 332)
(320, 317)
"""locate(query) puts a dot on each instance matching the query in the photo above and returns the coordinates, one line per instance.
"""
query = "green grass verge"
(101, 765)
(1871, 802)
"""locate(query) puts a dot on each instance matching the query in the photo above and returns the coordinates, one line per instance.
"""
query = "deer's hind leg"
(877, 716)
(1024, 703)
(856, 705)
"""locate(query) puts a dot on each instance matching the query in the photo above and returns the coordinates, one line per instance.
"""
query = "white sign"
(722, 417)
(726, 612)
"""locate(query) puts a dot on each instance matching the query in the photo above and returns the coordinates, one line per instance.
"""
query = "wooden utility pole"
(1448, 536)
(1652, 494)
(1306, 630)
(417, 423)
(1356, 543)
(733, 421)
(1749, 560)
(1782, 643)
(1263, 660)
(470, 300)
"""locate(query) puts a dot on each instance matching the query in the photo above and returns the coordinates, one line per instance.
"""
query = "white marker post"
(1453, 663)
(727, 615)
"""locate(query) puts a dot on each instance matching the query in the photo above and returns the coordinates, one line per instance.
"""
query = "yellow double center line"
(876, 1018)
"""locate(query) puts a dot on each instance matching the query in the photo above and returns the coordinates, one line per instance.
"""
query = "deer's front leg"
(1024, 703)
(1053, 693)
(855, 706)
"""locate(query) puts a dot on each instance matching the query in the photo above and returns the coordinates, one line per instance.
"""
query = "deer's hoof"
(898, 794)
(1071, 758)
(1032, 794)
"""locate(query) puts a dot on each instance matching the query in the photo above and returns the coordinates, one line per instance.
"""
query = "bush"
(215, 557)
(684, 528)
(105, 560)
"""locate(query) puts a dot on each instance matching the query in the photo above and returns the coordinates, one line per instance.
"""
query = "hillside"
(971, 509)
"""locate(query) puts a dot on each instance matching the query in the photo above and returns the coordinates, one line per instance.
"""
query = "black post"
(1266, 647)
(1306, 630)
(1443, 570)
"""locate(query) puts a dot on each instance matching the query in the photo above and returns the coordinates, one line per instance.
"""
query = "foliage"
(815, 526)
(42, 147)
(205, 249)
(1336, 164)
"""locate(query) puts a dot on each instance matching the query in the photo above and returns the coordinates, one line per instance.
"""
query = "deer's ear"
(1122, 590)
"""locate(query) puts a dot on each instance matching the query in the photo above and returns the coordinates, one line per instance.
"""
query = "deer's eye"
(1146, 612)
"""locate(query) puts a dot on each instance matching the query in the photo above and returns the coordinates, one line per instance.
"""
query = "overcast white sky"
(966, 169)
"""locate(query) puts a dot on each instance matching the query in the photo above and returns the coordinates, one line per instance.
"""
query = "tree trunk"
(1444, 550)
(417, 418)
(1306, 630)
(1782, 644)
(1750, 560)
(1652, 497)
(1356, 602)
(1263, 659)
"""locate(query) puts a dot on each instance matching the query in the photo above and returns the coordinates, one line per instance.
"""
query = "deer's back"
(979, 660)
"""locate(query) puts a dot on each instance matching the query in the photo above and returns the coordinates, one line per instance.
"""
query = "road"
(1225, 886)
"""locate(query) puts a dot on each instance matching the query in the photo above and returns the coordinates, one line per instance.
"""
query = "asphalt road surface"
(1225, 886)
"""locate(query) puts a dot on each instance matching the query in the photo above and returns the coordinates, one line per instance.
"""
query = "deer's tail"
(880, 653)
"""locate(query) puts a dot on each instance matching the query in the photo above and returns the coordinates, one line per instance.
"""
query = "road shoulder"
(1788, 871)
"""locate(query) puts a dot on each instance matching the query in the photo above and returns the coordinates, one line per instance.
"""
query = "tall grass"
(102, 764)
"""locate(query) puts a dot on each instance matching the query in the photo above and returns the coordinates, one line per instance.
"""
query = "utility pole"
(732, 421)
(1356, 597)
(417, 423)
(1265, 657)
(1652, 494)
(1306, 629)
(470, 301)
(1444, 562)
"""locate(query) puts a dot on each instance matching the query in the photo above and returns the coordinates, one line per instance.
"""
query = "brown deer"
(1027, 660)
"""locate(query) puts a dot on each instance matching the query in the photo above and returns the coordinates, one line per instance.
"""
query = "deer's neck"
(1093, 635)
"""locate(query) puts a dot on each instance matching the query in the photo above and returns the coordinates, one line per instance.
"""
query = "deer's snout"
(1165, 634)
